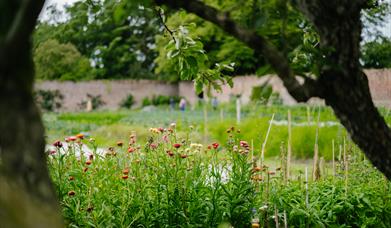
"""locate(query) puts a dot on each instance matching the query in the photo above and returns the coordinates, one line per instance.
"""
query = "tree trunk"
(341, 82)
(27, 198)
(344, 85)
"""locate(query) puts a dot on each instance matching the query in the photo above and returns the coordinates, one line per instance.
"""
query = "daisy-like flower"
(57, 144)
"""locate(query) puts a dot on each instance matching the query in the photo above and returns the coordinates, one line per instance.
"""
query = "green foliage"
(55, 61)
(160, 100)
(191, 62)
(377, 53)
(146, 102)
(128, 102)
(117, 36)
(48, 100)
(194, 185)
(261, 93)
(219, 47)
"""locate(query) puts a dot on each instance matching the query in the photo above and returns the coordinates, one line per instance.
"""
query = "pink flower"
(72, 138)
(153, 145)
(215, 145)
(244, 144)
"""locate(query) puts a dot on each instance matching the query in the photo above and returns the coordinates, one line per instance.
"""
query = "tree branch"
(301, 92)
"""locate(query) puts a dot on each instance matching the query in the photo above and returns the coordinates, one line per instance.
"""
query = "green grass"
(108, 127)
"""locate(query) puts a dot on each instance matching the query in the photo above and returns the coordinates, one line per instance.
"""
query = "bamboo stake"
(252, 150)
(276, 216)
(285, 220)
(238, 112)
(306, 187)
(289, 155)
(340, 155)
(345, 160)
(333, 158)
(265, 141)
(315, 170)
(205, 122)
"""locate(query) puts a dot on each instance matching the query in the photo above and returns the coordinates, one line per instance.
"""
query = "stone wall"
(113, 92)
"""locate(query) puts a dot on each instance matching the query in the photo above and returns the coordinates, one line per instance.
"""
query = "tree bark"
(341, 83)
(344, 84)
(27, 198)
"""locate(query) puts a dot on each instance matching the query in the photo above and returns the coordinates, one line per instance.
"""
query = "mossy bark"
(27, 197)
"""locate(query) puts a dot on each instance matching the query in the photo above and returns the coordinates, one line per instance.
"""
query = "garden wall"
(113, 92)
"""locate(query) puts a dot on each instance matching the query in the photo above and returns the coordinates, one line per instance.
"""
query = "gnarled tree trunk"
(342, 82)
(27, 197)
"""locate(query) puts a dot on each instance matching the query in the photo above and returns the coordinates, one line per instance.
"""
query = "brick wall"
(113, 92)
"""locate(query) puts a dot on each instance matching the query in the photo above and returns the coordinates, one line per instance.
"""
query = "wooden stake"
(289, 155)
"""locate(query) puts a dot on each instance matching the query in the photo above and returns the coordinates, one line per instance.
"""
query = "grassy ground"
(107, 127)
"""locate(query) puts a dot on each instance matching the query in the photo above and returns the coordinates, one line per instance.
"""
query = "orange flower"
(88, 162)
(170, 153)
(256, 178)
(125, 177)
(257, 169)
(80, 136)
(71, 193)
(125, 171)
(271, 172)
(131, 150)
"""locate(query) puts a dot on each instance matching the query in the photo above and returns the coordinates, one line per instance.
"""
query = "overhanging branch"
(301, 92)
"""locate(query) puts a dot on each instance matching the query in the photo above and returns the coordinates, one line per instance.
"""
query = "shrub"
(48, 100)
(160, 100)
(146, 102)
(128, 102)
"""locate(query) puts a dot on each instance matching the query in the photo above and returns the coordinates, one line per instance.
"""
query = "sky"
(386, 29)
